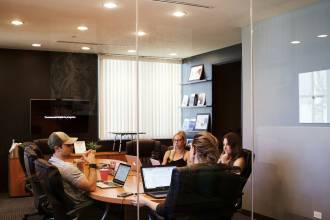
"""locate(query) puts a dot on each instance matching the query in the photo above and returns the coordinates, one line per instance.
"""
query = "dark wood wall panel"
(36, 74)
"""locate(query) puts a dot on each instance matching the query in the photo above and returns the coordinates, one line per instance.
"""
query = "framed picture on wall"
(196, 72)
(202, 122)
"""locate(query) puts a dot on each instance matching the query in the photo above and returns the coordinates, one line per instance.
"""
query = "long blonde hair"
(206, 147)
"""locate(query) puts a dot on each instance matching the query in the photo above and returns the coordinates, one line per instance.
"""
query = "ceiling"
(111, 31)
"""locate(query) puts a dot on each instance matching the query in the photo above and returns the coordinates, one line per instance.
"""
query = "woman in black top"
(232, 155)
(178, 156)
(204, 150)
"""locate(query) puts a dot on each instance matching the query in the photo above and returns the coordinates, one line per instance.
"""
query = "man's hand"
(89, 156)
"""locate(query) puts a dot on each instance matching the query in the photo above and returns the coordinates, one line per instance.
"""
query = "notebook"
(119, 178)
(154, 162)
(156, 180)
(132, 161)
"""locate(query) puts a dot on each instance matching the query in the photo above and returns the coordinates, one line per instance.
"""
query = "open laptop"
(132, 161)
(119, 179)
(156, 180)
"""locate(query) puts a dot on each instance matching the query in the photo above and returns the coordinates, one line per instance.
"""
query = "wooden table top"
(110, 195)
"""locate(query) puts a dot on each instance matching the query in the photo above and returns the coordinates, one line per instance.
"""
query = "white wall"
(292, 160)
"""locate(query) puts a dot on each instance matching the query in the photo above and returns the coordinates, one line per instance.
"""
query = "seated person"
(177, 156)
(76, 184)
(232, 154)
(204, 150)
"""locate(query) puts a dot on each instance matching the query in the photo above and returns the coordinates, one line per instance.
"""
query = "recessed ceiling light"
(179, 13)
(131, 51)
(295, 42)
(82, 28)
(141, 33)
(322, 36)
(16, 22)
(85, 48)
(110, 5)
(172, 54)
(36, 45)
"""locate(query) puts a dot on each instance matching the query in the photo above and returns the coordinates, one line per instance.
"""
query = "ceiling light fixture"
(179, 14)
(141, 33)
(36, 45)
(110, 5)
(131, 51)
(295, 42)
(85, 48)
(322, 36)
(82, 28)
(16, 22)
(172, 54)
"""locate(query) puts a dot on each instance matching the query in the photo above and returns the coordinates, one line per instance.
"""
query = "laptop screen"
(122, 173)
(156, 177)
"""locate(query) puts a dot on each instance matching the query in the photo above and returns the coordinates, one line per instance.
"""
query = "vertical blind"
(159, 97)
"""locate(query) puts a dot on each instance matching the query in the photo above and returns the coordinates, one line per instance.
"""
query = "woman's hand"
(142, 201)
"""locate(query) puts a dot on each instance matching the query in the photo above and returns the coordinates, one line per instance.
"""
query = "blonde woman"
(177, 156)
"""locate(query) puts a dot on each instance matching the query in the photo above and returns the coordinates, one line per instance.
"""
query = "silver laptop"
(156, 180)
(132, 161)
(119, 178)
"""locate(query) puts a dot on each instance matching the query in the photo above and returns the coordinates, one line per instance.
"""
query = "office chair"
(43, 147)
(51, 182)
(31, 153)
(245, 174)
(201, 192)
(147, 149)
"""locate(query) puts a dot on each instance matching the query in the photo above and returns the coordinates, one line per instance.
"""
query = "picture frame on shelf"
(196, 72)
(185, 125)
(202, 122)
(192, 123)
(185, 101)
(201, 101)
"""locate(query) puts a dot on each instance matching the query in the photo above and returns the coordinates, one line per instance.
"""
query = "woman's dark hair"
(234, 141)
(206, 147)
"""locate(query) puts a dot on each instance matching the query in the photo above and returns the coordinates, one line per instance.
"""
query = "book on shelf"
(185, 125)
(193, 99)
(188, 124)
(201, 99)
(192, 124)
(185, 101)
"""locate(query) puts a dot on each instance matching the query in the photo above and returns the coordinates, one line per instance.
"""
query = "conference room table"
(110, 195)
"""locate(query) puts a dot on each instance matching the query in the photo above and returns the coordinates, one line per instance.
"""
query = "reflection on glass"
(313, 97)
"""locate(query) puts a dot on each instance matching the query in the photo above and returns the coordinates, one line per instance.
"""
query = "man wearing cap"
(75, 183)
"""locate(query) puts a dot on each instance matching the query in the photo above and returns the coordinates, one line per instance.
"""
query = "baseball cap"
(58, 138)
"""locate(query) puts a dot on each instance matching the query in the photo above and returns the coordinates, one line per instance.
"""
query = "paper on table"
(79, 147)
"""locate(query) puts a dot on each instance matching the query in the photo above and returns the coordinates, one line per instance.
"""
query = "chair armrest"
(78, 207)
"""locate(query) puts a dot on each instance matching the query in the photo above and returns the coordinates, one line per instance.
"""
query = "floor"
(15, 208)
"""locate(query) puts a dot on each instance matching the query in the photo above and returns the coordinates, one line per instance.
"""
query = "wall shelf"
(202, 106)
(197, 81)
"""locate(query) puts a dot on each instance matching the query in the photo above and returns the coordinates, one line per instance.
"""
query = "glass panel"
(190, 76)
(287, 122)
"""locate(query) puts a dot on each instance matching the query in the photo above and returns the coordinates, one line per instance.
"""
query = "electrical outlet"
(318, 214)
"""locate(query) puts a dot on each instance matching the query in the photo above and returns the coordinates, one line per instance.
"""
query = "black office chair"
(201, 192)
(31, 153)
(147, 147)
(51, 182)
(246, 172)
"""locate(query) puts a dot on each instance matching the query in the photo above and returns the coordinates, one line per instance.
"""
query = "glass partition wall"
(287, 122)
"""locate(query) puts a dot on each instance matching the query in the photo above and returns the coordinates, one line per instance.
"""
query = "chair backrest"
(43, 146)
(21, 148)
(32, 153)
(51, 182)
(202, 191)
(246, 172)
(147, 146)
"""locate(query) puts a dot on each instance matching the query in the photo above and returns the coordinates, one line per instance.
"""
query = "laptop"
(132, 161)
(119, 178)
(156, 180)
